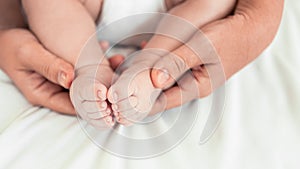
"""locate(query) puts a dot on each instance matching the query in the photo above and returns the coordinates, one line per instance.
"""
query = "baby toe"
(119, 91)
(94, 106)
(125, 104)
(109, 120)
(93, 91)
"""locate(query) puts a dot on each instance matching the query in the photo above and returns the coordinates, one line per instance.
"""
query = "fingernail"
(163, 76)
(62, 78)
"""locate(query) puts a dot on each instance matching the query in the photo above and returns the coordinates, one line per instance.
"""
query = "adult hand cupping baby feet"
(131, 96)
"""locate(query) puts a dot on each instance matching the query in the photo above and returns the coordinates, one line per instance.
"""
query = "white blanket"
(260, 127)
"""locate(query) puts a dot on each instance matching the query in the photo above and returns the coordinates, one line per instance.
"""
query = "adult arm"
(237, 39)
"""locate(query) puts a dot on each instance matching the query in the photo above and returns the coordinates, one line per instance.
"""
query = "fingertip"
(159, 78)
(70, 78)
(116, 60)
(109, 121)
(61, 79)
(60, 102)
(71, 111)
(153, 75)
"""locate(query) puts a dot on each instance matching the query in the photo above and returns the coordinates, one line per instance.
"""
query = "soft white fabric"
(118, 10)
(260, 127)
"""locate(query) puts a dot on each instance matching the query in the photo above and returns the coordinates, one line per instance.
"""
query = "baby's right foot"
(88, 94)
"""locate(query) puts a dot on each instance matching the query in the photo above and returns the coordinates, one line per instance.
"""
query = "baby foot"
(133, 94)
(88, 95)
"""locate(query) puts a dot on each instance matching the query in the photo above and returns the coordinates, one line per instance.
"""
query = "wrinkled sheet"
(260, 127)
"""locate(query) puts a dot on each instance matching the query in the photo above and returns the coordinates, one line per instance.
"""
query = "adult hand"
(237, 40)
(37, 73)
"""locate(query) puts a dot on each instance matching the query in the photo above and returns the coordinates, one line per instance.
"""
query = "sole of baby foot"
(88, 95)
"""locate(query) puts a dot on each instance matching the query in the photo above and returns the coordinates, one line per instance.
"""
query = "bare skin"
(39, 75)
(246, 14)
(88, 94)
(250, 30)
(39, 81)
(135, 103)
(259, 23)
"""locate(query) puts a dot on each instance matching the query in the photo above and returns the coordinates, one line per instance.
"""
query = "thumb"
(172, 66)
(48, 65)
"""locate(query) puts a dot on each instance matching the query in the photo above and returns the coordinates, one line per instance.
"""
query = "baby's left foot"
(88, 95)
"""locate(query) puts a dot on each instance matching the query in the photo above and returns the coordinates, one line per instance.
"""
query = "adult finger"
(187, 89)
(197, 51)
(116, 60)
(41, 92)
(60, 102)
(170, 67)
(36, 57)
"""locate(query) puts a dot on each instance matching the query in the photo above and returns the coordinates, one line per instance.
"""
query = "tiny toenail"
(163, 76)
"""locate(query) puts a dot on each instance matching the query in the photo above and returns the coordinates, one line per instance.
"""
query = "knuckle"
(46, 70)
(178, 65)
